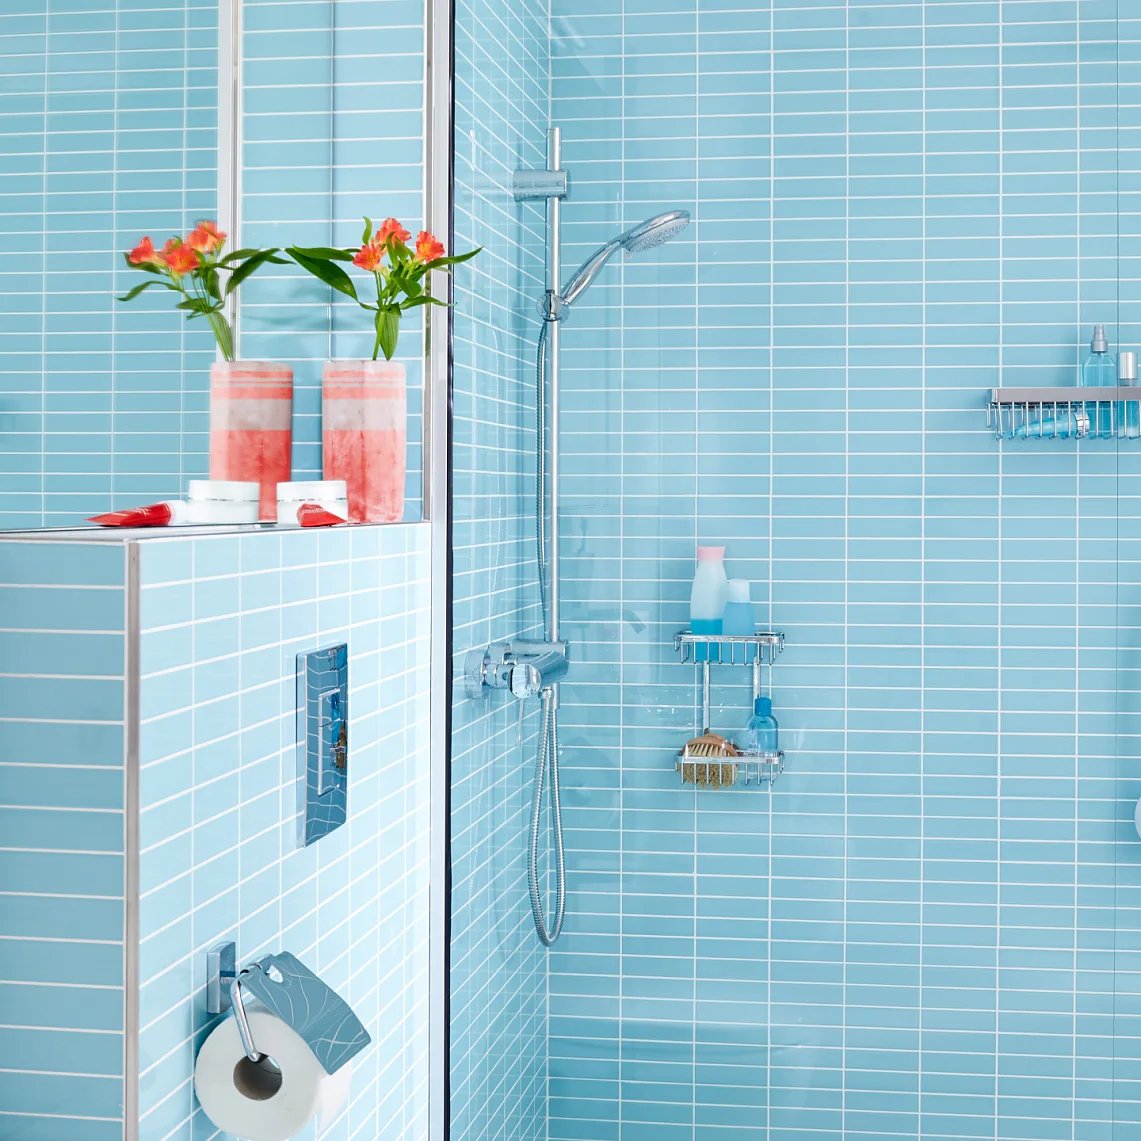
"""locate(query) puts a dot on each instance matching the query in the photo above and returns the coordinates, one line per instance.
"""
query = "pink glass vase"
(251, 426)
(364, 420)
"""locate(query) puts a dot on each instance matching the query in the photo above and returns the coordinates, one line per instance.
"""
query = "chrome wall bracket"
(221, 971)
(524, 667)
(533, 185)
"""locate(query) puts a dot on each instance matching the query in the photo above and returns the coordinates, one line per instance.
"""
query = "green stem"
(222, 333)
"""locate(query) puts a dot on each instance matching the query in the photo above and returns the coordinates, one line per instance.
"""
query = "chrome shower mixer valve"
(525, 668)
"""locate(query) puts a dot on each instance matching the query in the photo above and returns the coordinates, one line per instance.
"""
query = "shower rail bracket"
(537, 185)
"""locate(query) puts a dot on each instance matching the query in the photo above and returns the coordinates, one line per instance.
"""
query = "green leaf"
(240, 255)
(425, 300)
(247, 267)
(132, 293)
(325, 270)
(367, 231)
(213, 287)
(146, 268)
(197, 304)
(388, 331)
(439, 263)
(327, 253)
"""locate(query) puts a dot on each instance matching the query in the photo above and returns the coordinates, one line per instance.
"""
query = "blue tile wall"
(108, 115)
(62, 648)
(498, 968)
(223, 619)
(927, 928)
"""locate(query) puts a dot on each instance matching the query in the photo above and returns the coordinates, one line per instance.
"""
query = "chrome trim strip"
(438, 126)
(131, 850)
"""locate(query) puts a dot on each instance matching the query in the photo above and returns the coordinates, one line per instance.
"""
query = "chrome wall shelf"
(758, 769)
(1064, 413)
(729, 649)
(705, 651)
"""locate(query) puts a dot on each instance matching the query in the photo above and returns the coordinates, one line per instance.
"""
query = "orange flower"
(205, 237)
(427, 247)
(391, 228)
(145, 254)
(369, 257)
(179, 257)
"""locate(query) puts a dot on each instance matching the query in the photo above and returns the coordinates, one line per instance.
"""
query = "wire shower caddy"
(704, 651)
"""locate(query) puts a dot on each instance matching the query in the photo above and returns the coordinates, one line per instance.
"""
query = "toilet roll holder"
(224, 993)
(292, 992)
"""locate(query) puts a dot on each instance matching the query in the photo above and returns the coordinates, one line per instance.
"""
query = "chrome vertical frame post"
(435, 432)
(230, 138)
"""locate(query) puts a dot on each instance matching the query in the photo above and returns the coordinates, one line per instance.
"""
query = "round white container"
(331, 494)
(220, 501)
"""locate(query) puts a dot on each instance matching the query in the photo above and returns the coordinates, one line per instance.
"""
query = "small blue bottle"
(762, 728)
(738, 617)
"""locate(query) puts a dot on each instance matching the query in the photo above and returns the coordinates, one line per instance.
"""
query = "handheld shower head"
(655, 232)
(646, 235)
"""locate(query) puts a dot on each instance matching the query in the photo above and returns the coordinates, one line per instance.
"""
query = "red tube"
(251, 426)
(156, 515)
(314, 515)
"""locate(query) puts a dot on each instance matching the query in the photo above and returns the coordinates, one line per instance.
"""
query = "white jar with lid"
(331, 494)
(220, 501)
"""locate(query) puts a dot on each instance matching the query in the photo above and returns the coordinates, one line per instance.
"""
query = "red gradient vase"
(364, 437)
(251, 426)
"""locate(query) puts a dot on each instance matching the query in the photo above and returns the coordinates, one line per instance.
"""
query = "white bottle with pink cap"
(710, 591)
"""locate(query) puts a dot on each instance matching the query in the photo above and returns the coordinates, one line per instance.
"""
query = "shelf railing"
(1065, 413)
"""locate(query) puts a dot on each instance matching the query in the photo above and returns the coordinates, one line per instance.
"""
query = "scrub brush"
(705, 761)
(709, 745)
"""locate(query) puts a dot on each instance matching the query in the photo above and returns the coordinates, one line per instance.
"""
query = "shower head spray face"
(655, 232)
(645, 236)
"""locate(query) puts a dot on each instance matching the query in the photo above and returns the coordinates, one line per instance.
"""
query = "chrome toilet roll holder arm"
(290, 992)
(224, 992)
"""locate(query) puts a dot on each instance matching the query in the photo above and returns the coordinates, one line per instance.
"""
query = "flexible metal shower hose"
(548, 754)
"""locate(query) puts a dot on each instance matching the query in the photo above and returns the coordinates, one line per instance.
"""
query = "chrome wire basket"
(1064, 413)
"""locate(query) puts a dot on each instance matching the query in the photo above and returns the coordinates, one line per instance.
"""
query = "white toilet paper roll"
(334, 1094)
(271, 1100)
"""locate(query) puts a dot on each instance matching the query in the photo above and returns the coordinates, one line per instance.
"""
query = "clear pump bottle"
(1099, 371)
